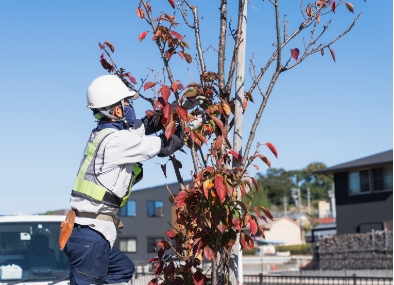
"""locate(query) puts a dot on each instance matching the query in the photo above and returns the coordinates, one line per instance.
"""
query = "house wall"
(287, 231)
(141, 227)
(363, 212)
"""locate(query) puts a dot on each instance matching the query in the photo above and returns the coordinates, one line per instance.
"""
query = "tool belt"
(67, 226)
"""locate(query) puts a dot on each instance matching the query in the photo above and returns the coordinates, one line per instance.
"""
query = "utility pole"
(284, 200)
(236, 263)
(309, 200)
(296, 194)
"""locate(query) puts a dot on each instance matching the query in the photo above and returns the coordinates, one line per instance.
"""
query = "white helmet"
(107, 90)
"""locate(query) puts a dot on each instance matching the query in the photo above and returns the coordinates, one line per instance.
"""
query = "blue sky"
(319, 111)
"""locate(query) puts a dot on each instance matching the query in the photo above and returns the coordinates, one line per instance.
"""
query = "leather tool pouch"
(66, 229)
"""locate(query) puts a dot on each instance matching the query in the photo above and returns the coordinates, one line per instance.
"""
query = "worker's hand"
(171, 145)
(190, 104)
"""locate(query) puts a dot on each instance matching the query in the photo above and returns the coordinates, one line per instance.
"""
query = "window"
(128, 245)
(359, 182)
(129, 210)
(383, 178)
(155, 209)
(152, 243)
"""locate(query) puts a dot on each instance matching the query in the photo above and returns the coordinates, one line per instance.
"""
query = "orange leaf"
(140, 13)
(143, 35)
(148, 7)
(165, 92)
(149, 84)
(176, 85)
(220, 188)
(264, 158)
(319, 3)
(249, 242)
(294, 53)
(245, 105)
(219, 142)
(255, 166)
(207, 185)
(272, 148)
(350, 7)
(170, 129)
(226, 107)
(172, 3)
(318, 18)
(332, 54)
(256, 185)
(219, 123)
(257, 211)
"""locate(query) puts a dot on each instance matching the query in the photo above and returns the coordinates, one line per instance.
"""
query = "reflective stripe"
(90, 189)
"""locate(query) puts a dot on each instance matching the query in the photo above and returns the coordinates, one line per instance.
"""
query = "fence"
(260, 279)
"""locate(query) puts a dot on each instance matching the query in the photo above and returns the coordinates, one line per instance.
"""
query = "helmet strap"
(124, 118)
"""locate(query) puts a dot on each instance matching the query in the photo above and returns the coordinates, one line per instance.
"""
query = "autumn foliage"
(210, 211)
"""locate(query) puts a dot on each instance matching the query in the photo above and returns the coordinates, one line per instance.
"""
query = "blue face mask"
(129, 115)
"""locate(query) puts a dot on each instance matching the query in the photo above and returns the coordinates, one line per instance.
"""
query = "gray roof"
(379, 159)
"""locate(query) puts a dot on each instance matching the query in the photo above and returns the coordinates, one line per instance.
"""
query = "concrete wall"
(141, 227)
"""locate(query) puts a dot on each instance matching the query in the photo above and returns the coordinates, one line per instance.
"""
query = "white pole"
(236, 267)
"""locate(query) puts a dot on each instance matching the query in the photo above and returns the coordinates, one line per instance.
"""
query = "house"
(323, 230)
(279, 231)
(146, 217)
(363, 193)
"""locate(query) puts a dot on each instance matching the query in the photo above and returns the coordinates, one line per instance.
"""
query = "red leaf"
(333, 7)
(165, 92)
(143, 35)
(153, 282)
(131, 78)
(158, 268)
(167, 111)
(172, 3)
(249, 242)
(272, 148)
(257, 211)
(106, 64)
(160, 253)
(181, 55)
(177, 35)
(169, 53)
(176, 85)
(219, 123)
(208, 252)
(170, 234)
(164, 244)
(332, 54)
(163, 168)
(170, 129)
(256, 185)
(236, 223)
(219, 142)
(221, 227)
(140, 13)
(110, 46)
(261, 231)
(253, 226)
(101, 46)
(182, 112)
(148, 7)
(263, 158)
(198, 278)
(169, 269)
(187, 266)
(242, 240)
(220, 188)
(153, 259)
(294, 53)
(235, 154)
(267, 213)
(350, 7)
(149, 84)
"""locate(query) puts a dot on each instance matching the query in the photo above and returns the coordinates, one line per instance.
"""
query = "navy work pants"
(92, 261)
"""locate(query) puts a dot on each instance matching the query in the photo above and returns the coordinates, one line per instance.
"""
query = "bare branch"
(196, 28)
(323, 46)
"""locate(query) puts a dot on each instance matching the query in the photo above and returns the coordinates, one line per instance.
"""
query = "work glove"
(171, 145)
(190, 104)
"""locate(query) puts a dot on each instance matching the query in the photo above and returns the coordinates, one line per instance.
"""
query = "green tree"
(318, 184)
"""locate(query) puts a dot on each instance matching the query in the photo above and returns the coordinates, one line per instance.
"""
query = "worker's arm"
(152, 123)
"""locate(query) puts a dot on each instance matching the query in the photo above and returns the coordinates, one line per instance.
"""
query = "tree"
(210, 211)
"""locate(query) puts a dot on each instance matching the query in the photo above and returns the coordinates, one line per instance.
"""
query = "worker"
(110, 166)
